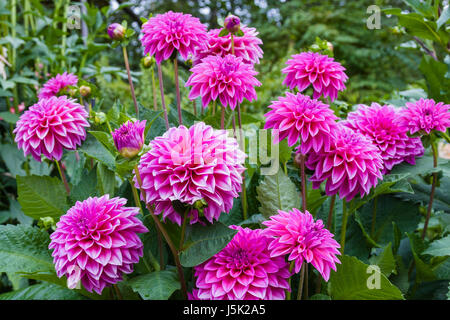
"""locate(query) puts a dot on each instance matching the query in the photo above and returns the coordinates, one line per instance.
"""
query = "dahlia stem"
(445, 136)
(291, 267)
(344, 224)
(177, 87)
(136, 196)
(241, 142)
(232, 44)
(433, 188)
(63, 177)
(165, 234)
(300, 283)
(130, 81)
(303, 177)
(183, 230)
(214, 107)
(222, 119)
(234, 124)
(155, 104)
(118, 294)
(374, 217)
(161, 89)
(194, 105)
(330, 212)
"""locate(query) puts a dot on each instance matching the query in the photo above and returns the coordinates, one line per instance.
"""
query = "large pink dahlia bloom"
(227, 78)
(244, 270)
(381, 124)
(171, 31)
(351, 166)
(326, 76)
(57, 85)
(425, 115)
(129, 138)
(246, 47)
(51, 125)
(300, 117)
(187, 165)
(303, 239)
(96, 241)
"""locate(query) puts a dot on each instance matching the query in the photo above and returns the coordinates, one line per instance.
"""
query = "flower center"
(240, 257)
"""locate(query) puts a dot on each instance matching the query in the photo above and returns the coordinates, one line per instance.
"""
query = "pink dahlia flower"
(351, 166)
(244, 270)
(246, 47)
(171, 31)
(326, 76)
(425, 115)
(300, 117)
(96, 241)
(57, 85)
(51, 125)
(189, 165)
(382, 126)
(228, 79)
(299, 236)
(129, 138)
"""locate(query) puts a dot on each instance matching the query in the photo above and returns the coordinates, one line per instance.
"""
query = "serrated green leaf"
(157, 285)
(385, 260)
(42, 291)
(439, 248)
(94, 149)
(106, 180)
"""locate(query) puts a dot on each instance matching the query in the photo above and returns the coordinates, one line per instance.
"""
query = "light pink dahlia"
(57, 85)
(326, 76)
(425, 115)
(188, 165)
(244, 270)
(299, 236)
(51, 125)
(351, 166)
(246, 47)
(171, 31)
(228, 79)
(300, 117)
(129, 138)
(96, 241)
(381, 124)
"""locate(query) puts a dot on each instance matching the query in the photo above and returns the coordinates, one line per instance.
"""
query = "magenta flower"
(299, 236)
(189, 165)
(425, 115)
(300, 117)
(228, 79)
(129, 138)
(96, 241)
(57, 85)
(351, 166)
(171, 31)
(326, 76)
(246, 47)
(232, 23)
(116, 31)
(51, 125)
(244, 270)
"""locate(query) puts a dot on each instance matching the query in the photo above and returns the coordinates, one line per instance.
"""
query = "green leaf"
(385, 260)
(277, 192)
(224, 32)
(42, 291)
(421, 7)
(13, 159)
(320, 296)
(444, 17)
(9, 117)
(439, 248)
(424, 272)
(86, 188)
(202, 242)
(434, 72)
(157, 285)
(106, 180)
(94, 149)
(105, 139)
(42, 196)
(353, 280)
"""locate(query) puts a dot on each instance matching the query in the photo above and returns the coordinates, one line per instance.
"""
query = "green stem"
(116, 289)
(136, 196)
(155, 104)
(222, 119)
(445, 136)
(433, 188)
(64, 35)
(183, 229)
(344, 224)
(177, 88)
(374, 217)
(303, 178)
(291, 267)
(63, 177)
(130, 81)
(242, 146)
(301, 281)
(161, 89)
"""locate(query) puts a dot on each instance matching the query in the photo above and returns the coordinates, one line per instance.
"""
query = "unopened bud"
(85, 91)
(232, 24)
(116, 31)
(148, 61)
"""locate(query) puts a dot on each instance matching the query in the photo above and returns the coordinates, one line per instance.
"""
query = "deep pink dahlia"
(96, 241)
(57, 85)
(246, 47)
(300, 117)
(51, 125)
(171, 31)
(299, 236)
(381, 124)
(326, 76)
(129, 138)
(425, 115)
(228, 79)
(351, 166)
(188, 165)
(244, 270)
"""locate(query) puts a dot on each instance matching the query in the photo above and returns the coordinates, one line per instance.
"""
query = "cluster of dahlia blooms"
(187, 165)
(58, 85)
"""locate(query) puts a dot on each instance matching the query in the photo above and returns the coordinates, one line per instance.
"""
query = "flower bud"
(330, 46)
(100, 117)
(129, 138)
(85, 91)
(116, 31)
(148, 61)
(232, 24)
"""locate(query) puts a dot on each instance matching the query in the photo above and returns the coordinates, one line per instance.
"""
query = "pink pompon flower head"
(425, 115)
(129, 138)
(325, 75)
(227, 79)
(381, 124)
(246, 46)
(297, 235)
(51, 125)
(96, 241)
(58, 85)
(351, 166)
(244, 270)
(300, 117)
(171, 31)
(197, 169)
